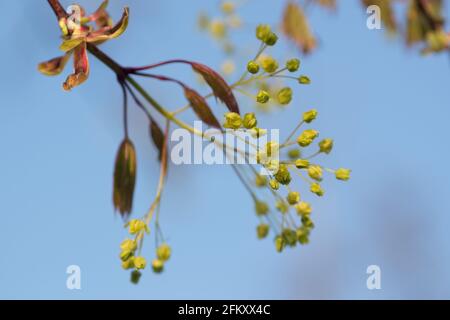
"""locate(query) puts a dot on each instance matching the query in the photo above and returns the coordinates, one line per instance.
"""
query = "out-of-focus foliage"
(422, 24)
(296, 27)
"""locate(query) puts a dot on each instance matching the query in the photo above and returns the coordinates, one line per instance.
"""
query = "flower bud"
(310, 115)
(232, 121)
(262, 31)
(271, 39)
(317, 189)
(124, 178)
(261, 208)
(302, 235)
(157, 266)
(304, 80)
(262, 230)
(269, 64)
(135, 277)
(125, 255)
(250, 121)
(289, 236)
(303, 208)
(342, 174)
(274, 184)
(294, 153)
(262, 97)
(272, 148)
(302, 164)
(136, 226)
(279, 243)
(128, 264)
(282, 206)
(260, 181)
(129, 245)
(140, 263)
(285, 96)
(293, 65)
(283, 176)
(307, 222)
(228, 7)
(315, 172)
(163, 252)
(293, 197)
(307, 137)
(218, 29)
(326, 145)
(258, 133)
(253, 67)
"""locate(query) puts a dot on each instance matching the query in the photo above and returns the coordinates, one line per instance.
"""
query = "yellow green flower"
(125, 255)
(294, 153)
(326, 145)
(274, 184)
(279, 243)
(269, 64)
(163, 252)
(253, 67)
(261, 208)
(260, 181)
(317, 189)
(262, 96)
(293, 65)
(283, 176)
(307, 137)
(228, 7)
(282, 206)
(250, 121)
(129, 245)
(302, 163)
(218, 29)
(262, 230)
(263, 31)
(315, 172)
(140, 263)
(157, 265)
(310, 115)
(304, 80)
(285, 96)
(128, 264)
(342, 174)
(303, 208)
(293, 197)
(232, 121)
(271, 39)
(136, 226)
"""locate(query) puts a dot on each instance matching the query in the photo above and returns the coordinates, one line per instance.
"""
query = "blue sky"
(386, 107)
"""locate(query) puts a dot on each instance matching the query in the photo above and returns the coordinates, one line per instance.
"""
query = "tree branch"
(58, 9)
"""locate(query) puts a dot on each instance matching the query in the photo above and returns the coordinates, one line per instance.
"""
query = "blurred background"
(386, 107)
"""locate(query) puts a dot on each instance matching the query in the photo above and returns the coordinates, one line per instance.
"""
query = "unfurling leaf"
(201, 108)
(124, 178)
(295, 26)
(425, 24)
(157, 136)
(101, 16)
(81, 68)
(219, 86)
(54, 66)
(107, 33)
(386, 11)
(329, 4)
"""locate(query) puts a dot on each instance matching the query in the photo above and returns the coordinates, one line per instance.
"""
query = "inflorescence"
(295, 160)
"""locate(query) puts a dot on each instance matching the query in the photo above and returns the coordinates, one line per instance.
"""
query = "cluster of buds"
(130, 248)
(260, 71)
